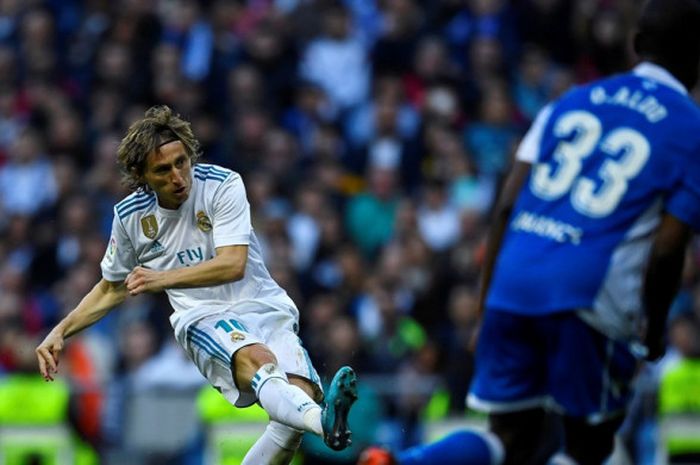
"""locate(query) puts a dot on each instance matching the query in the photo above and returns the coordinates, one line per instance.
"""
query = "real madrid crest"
(236, 336)
(203, 221)
(149, 225)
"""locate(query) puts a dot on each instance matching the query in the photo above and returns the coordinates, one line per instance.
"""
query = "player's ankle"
(312, 419)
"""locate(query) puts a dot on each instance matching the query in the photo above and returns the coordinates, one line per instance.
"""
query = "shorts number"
(550, 182)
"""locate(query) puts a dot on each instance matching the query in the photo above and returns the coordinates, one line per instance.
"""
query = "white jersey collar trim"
(655, 72)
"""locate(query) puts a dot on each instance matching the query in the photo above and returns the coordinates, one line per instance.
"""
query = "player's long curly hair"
(159, 126)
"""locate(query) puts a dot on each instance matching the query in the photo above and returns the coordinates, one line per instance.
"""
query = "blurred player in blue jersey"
(585, 256)
(587, 249)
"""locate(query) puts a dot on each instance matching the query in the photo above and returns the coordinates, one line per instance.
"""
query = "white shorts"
(211, 342)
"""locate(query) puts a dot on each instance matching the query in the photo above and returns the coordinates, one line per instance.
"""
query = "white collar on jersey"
(655, 72)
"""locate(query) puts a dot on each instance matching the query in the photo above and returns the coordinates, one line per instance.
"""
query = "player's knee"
(254, 356)
(248, 360)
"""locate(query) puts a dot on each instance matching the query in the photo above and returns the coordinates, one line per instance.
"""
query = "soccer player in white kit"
(186, 230)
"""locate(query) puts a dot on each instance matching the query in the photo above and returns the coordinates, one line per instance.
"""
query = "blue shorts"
(552, 361)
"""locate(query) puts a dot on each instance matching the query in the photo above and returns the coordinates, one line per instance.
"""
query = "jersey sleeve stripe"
(212, 170)
(136, 208)
(216, 177)
(203, 168)
(203, 176)
(220, 172)
(121, 209)
(132, 200)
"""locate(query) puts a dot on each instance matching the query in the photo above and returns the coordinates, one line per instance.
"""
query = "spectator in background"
(338, 61)
(430, 66)
(531, 90)
(184, 27)
(11, 121)
(492, 137)
(438, 219)
(27, 182)
(310, 111)
(679, 388)
(370, 215)
(393, 52)
(304, 225)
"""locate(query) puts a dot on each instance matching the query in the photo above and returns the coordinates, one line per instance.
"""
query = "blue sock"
(467, 447)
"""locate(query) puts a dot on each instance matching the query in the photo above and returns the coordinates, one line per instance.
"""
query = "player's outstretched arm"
(662, 280)
(227, 266)
(95, 305)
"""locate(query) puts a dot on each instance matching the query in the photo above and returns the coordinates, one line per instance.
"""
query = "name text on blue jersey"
(546, 227)
(638, 101)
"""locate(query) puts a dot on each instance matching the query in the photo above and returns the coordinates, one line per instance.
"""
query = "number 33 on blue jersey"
(584, 134)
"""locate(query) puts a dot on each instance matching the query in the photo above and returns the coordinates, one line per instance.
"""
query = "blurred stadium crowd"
(372, 136)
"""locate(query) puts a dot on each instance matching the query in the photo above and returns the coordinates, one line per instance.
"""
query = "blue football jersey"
(608, 158)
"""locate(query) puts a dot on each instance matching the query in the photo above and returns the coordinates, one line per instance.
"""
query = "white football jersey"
(215, 214)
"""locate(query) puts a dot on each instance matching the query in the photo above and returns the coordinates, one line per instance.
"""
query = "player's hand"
(142, 280)
(47, 353)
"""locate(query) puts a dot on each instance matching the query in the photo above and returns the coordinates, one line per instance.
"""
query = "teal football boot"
(341, 395)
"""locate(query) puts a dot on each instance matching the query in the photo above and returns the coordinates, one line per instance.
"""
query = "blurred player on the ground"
(186, 230)
(585, 257)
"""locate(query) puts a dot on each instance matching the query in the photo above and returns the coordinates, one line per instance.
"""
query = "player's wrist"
(60, 330)
(165, 280)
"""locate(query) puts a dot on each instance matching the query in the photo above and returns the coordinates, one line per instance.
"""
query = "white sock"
(312, 419)
(276, 446)
(284, 402)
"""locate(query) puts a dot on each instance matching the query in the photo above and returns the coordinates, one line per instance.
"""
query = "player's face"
(168, 174)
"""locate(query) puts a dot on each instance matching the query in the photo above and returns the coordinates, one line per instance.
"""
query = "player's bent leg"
(284, 402)
(342, 393)
(276, 446)
(464, 447)
(590, 444)
(529, 437)
(246, 363)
